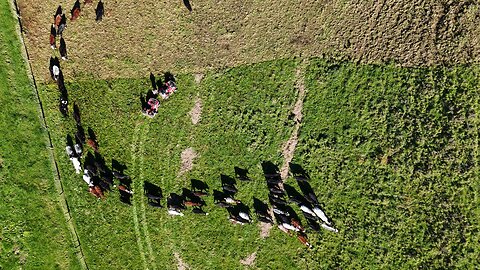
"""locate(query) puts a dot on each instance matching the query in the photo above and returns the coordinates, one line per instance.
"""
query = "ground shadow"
(198, 185)
(187, 5)
(241, 174)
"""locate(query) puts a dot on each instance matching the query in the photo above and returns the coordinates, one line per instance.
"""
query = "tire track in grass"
(143, 134)
(133, 150)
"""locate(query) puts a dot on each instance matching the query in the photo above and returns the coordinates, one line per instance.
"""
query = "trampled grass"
(33, 234)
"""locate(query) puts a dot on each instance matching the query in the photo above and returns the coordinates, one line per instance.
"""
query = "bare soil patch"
(196, 111)
(265, 229)
(187, 157)
(198, 77)
(135, 38)
(291, 144)
(250, 260)
(181, 265)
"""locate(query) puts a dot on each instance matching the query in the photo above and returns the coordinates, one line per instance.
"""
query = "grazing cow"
(229, 189)
(276, 200)
(199, 193)
(222, 204)
(174, 212)
(54, 68)
(125, 189)
(99, 11)
(76, 164)
(290, 227)
(93, 144)
(53, 34)
(153, 192)
(219, 196)
(75, 12)
(70, 152)
(245, 216)
(87, 177)
(265, 219)
(297, 224)
(280, 212)
(319, 213)
(276, 189)
(307, 210)
(120, 176)
(283, 229)
(63, 107)
(313, 224)
(199, 211)
(125, 197)
(78, 149)
(63, 49)
(62, 25)
(58, 16)
(325, 226)
(303, 239)
(96, 191)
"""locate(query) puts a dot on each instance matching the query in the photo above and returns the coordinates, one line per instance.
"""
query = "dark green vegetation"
(394, 154)
(33, 232)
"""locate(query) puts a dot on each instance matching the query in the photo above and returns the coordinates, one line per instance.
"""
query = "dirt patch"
(198, 77)
(291, 144)
(250, 260)
(187, 157)
(196, 111)
(134, 38)
(181, 265)
(264, 229)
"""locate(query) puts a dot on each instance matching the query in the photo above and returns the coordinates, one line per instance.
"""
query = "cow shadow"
(198, 185)
(152, 191)
(260, 207)
(169, 77)
(298, 172)
(117, 166)
(293, 194)
(241, 174)
(91, 134)
(308, 192)
(187, 5)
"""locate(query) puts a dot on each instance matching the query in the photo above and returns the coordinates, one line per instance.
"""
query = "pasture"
(392, 153)
(391, 149)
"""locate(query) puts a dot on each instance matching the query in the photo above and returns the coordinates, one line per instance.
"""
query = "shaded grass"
(33, 230)
(393, 154)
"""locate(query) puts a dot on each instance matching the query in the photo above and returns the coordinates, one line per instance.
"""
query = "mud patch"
(196, 111)
(250, 260)
(181, 265)
(187, 157)
(265, 229)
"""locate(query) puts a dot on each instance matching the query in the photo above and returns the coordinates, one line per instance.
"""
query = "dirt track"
(138, 36)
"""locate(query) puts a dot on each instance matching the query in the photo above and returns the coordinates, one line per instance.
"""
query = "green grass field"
(34, 233)
(392, 153)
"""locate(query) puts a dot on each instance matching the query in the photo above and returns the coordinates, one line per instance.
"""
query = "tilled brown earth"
(136, 37)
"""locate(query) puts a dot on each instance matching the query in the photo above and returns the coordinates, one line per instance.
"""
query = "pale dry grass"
(137, 37)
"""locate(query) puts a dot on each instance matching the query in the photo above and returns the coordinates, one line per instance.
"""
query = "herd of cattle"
(100, 178)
